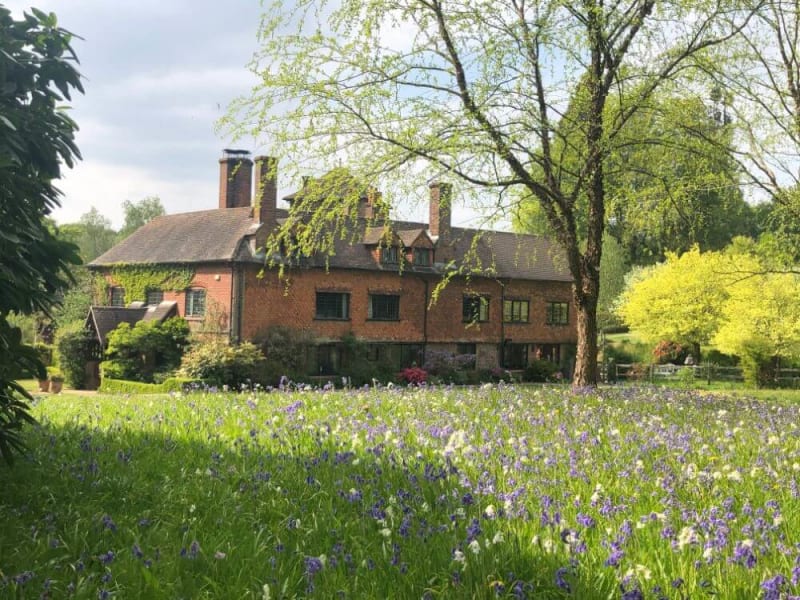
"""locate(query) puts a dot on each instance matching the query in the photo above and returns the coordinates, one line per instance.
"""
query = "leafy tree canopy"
(37, 137)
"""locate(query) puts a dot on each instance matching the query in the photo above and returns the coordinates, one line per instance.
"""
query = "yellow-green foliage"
(680, 299)
(137, 279)
(761, 317)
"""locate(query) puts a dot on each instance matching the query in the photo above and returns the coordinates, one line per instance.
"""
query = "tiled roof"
(219, 236)
(105, 319)
(195, 237)
(489, 253)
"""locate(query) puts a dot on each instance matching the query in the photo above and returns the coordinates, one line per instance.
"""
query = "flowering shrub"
(413, 375)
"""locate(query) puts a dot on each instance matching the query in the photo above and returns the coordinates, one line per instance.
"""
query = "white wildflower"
(735, 476)
(475, 546)
(386, 532)
(498, 538)
(458, 556)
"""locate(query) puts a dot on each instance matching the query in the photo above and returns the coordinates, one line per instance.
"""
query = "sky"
(157, 75)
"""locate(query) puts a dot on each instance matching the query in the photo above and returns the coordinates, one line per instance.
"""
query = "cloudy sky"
(157, 75)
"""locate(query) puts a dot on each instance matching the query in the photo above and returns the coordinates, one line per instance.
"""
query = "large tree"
(139, 213)
(92, 234)
(671, 182)
(474, 91)
(37, 137)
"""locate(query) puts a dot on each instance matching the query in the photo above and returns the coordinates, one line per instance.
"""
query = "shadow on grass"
(148, 506)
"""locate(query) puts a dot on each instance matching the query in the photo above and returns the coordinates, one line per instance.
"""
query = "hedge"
(121, 386)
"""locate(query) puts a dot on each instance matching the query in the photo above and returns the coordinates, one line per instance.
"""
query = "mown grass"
(448, 493)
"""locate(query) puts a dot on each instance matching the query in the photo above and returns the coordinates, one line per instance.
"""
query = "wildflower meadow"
(493, 492)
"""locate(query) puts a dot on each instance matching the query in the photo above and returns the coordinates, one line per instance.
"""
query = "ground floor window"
(411, 355)
(329, 359)
(195, 303)
(550, 352)
(515, 356)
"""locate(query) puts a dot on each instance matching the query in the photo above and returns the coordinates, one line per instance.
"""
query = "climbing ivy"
(137, 279)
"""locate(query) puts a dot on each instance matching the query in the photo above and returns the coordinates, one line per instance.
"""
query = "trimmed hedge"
(121, 386)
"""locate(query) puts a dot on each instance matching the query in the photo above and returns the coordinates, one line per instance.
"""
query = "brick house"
(514, 308)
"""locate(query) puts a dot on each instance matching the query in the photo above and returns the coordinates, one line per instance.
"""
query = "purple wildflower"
(560, 581)
(107, 558)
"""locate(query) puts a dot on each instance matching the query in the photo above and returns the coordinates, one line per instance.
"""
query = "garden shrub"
(148, 348)
(74, 344)
(447, 366)
(44, 352)
(413, 376)
(172, 384)
(219, 363)
(540, 371)
(286, 351)
(357, 366)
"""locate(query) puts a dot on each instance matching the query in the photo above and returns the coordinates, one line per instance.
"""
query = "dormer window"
(389, 255)
(422, 257)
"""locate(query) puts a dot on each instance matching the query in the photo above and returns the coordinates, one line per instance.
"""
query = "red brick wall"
(216, 280)
(269, 301)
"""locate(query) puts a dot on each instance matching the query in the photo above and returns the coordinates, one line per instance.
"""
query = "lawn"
(448, 493)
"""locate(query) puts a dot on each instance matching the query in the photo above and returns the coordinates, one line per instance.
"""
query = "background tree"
(761, 323)
(139, 213)
(671, 182)
(475, 91)
(760, 72)
(36, 137)
(92, 234)
(679, 300)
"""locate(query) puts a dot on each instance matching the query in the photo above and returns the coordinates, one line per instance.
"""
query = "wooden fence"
(787, 378)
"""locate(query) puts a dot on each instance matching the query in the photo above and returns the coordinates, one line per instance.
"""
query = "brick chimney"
(235, 177)
(441, 195)
(369, 204)
(266, 198)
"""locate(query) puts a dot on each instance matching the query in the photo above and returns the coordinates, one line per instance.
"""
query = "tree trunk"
(586, 357)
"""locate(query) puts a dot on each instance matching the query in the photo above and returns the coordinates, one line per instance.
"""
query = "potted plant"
(56, 380)
(44, 385)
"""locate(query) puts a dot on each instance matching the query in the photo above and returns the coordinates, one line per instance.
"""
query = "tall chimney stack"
(235, 177)
(266, 198)
(441, 195)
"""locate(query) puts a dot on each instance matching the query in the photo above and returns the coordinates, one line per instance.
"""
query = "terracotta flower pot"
(55, 386)
(44, 385)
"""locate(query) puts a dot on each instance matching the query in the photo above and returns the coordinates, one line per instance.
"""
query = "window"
(384, 307)
(117, 296)
(195, 303)
(389, 255)
(557, 313)
(411, 355)
(515, 356)
(466, 349)
(475, 309)
(333, 305)
(515, 311)
(422, 257)
(154, 297)
(328, 359)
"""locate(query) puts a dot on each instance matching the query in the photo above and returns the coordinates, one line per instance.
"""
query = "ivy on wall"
(137, 279)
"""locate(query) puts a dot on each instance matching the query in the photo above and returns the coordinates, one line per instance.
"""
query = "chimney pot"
(235, 175)
(266, 198)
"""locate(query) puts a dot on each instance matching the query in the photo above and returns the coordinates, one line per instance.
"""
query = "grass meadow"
(494, 492)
